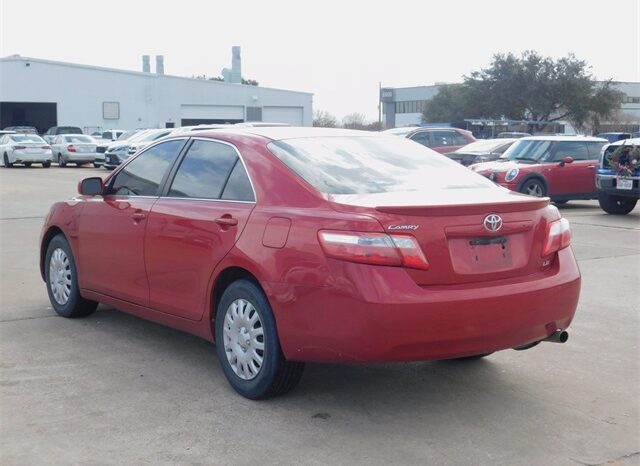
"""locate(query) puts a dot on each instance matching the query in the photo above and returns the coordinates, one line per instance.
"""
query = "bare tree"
(355, 121)
(324, 119)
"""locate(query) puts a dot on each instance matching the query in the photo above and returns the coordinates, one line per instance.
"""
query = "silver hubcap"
(243, 339)
(60, 276)
(534, 189)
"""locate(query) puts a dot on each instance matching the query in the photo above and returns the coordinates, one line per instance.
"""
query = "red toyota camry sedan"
(285, 245)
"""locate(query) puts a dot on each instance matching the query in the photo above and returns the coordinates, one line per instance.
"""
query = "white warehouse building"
(45, 93)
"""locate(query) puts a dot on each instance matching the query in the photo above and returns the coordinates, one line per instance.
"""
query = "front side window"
(204, 171)
(144, 174)
(421, 138)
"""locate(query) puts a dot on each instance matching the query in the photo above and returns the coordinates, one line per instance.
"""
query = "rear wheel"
(247, 344)
(27, 164)
(46, 164)
(533, 187)
(61, 277)
(616, 205)
(5, 159)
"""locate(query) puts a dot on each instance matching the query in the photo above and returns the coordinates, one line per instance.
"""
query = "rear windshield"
(79, 138)
(26, 138)
(69, 130)
(358, 165)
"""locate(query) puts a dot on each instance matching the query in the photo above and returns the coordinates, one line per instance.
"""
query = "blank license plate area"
(624, 183)
(481, 255)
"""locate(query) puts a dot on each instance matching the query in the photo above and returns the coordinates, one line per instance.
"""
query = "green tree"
(527, 87)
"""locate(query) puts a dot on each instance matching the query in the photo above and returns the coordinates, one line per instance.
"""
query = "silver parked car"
(73, 148)
(24, 149)
(152, 135)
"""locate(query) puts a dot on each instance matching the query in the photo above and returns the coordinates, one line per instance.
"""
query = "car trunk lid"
(471, 235)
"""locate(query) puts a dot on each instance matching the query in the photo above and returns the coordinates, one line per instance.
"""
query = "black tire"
(27, 164)
(616, 205)
(61, 162)
(7, 164)
(276, 376)
(75, 305)
(46, 164)
(533, 185)
(560, 202)
(97, 165)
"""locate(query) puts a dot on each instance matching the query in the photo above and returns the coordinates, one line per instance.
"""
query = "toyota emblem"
(493, 222)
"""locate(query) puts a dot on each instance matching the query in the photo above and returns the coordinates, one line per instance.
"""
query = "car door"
(111, 227)
(577, 177)
(194, 225)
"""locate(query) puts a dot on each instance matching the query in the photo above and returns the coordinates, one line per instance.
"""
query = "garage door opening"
(207, 121)
(42, 115)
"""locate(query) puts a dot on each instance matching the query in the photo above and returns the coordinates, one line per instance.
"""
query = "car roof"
(286, 132)
(626, 142)
(563, 138)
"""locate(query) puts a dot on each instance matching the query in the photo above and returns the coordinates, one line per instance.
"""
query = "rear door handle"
(226, 221)
(138, 216)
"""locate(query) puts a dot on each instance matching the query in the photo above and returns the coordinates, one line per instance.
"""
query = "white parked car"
(24, 149)
(152, 135)
(103, 145)
(73, 148)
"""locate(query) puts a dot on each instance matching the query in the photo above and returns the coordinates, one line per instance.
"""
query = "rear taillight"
(71, 148)
(558, 237)
(19, 147)
(373, 248)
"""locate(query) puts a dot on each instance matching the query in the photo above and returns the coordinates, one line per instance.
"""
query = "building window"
(111, 110)
(410, 106)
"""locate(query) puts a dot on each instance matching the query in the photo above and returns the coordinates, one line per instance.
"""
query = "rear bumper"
(376, 314)
(30, 158)
(79, 157)
(608, 184)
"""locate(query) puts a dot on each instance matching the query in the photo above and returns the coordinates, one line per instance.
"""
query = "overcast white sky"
(339, 50)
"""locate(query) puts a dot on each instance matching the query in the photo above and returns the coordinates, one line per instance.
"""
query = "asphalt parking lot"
(114, 389)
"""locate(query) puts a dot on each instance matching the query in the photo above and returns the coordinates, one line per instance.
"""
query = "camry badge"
(403, 227)
(493, 222)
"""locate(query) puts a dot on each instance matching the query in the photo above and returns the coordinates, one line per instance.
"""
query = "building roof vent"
(159, 64)
(146, 66)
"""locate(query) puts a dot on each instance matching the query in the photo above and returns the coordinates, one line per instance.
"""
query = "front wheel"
(533, 187)
(5, 159)
(616, 205)
(27, 164)
(46, 164)
(61, 277)
(247, 344)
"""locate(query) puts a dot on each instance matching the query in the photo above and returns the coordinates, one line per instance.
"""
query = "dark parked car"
(613, 137)
(22, 129)
(52, 132)
(483, 150)
(286, 245)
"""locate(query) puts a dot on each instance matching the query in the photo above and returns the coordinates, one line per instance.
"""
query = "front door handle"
(137, 216)
(591, 166)
(227, 221)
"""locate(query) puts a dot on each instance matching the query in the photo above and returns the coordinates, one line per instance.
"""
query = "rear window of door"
(444, 138)
(574, 149)
(459, 139)
(211, 170)
(144, 174)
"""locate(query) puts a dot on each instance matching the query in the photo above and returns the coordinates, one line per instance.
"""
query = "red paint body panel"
(164, 266)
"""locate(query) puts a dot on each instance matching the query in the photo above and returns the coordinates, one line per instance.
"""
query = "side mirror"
(90, 186)
(566, 160)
